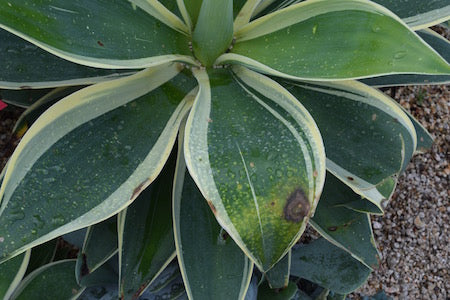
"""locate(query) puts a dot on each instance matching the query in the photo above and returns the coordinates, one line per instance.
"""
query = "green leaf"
(228, 271)
(103, 275)
(37, 108)
(261, 182)
(417, 13)
(347, 229)
(367, 137)
(328, 266)
(214, 30)
(25, 65)
(42, 255)
(95, 33)
(11, 273)
(440, 44)
(23, 98)
(100, 244)
(52, 189)
(52, 281)
(146, 235)
(278, 276)
(245, 12)
(162, 13)
(190, 9)
(305, 41)
(266, 293)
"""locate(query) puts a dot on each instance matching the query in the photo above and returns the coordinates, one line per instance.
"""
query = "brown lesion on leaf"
(213, 208)
(138, 190)
(297, 206)
(332, 228)
(350, 178)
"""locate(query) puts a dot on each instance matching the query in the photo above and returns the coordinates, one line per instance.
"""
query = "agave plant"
(206, 131)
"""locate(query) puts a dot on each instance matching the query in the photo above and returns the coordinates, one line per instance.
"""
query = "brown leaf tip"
(297, 206)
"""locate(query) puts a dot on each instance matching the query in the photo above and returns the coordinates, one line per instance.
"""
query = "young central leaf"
(214, 30)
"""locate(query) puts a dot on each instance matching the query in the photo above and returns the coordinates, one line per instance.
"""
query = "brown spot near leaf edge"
(84, 267)
(297, 206)
(350, 178)
(315, 173)
(25, 87)
(138, 190)
(213, 208)
(100, 44)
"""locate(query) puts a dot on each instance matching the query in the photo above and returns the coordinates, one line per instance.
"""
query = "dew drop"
(399, 54)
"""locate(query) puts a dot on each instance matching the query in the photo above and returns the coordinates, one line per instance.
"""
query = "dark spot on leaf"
(138, 190)
(272, 203)
(25, 87)
(332, 228)
(84, 267)
(213, 208)
(297, 207)
(225, 235)
(350, 178)
(140, 290)
(100, 44)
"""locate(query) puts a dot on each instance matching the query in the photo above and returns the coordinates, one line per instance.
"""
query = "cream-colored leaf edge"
(11, 85)
(82, 106)
(245, 14)
(356, 91)
(30, 277)
(145, 173)
(263, 4)
(160, 12)
(429, 18)
(341, 246)
(177, 193)
(278, 94)
(103, 63)
(204, 180)
(197, 122)
(303, 11)
(185, 15)
(19, 275)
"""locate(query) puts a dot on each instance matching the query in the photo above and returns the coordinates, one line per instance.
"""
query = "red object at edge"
(2, 105)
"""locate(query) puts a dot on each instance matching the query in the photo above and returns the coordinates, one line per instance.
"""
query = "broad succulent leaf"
(260, 189)
(11, 273)
(329, 266)
(25, 65)
(280, 43)
(42, 255)
(53, 189)
(146, 235)
(52, 281)
(367, 137)
(81, 32)
(228, 271)
(103, 275)
(278, 276)
(100, 244)
(348, 229)
(439, 44)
